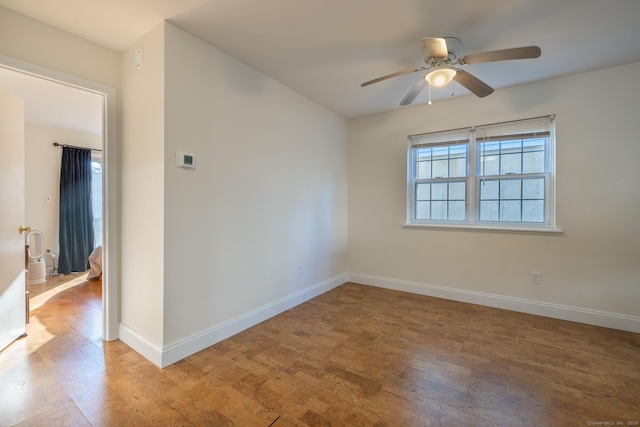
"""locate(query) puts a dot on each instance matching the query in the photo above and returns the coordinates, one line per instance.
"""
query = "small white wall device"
(139, 58)
(185, 160)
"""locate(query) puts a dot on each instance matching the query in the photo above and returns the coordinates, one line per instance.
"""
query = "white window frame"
(475, 177)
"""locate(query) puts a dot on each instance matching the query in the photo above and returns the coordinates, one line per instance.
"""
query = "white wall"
(142, 190)
(42, 177)
(269, 192)
(209, 252)
(32, 41)
(593, 266)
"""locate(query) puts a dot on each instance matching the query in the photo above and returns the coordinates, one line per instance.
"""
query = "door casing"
(110, 267)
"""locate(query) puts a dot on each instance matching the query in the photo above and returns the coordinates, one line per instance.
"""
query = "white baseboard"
(556, 311)
(166, 356)
(146, 348)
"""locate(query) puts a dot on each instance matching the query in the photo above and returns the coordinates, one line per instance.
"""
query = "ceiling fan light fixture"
(440, 76)
(441, 60)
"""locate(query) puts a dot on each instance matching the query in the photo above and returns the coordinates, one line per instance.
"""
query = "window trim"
(473, 180)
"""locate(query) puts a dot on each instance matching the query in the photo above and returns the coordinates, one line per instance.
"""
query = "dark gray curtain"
(76, 216)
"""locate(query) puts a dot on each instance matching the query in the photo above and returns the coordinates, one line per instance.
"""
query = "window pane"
(510, 189)
(489, 190)
(439, 210)
(440, 168)
(536, 144)
(439, 191)
(457, 190)
(490, 148)
(533, 188)
(510, 210)
(96, 199)
(533, 162)
(456, 211)
(458, 151)
(458, 167)
(423, 170)
(509, 147)
(440, 152)
(489, 158)
(488, 211)
(422, 210)
(422, 192)
(533, 210)
(423, 154)
(510, 163)
(490, 166)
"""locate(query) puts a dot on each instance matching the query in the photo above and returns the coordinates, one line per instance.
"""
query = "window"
(440, 171)
(96, 200)
(490, 176)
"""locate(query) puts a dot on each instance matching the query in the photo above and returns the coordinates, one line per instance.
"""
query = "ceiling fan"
(442, 65)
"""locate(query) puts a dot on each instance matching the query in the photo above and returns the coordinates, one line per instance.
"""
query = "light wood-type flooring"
(354, 356)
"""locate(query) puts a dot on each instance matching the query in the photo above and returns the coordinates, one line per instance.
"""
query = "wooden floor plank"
(354, 356)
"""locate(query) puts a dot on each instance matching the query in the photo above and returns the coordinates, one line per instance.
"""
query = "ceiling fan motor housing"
(453, 44)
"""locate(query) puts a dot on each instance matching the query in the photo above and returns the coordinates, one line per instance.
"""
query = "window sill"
(489, 228)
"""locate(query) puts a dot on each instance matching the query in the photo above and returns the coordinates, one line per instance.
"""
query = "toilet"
(37, 266)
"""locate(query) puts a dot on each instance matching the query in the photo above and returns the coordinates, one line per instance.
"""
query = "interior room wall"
(32, 41)
(260, 224)
(42, 177)
(142, 193)
(592, 266)
(263, 217)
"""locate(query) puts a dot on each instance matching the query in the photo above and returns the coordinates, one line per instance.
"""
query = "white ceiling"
(326, 49)
(55, 104)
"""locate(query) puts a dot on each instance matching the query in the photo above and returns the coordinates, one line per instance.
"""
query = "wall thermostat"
(185, 160)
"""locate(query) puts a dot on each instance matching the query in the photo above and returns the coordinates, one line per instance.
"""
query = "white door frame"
(110, 268)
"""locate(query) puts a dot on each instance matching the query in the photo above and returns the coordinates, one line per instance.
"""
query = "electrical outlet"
(300, 270)
(536, 277)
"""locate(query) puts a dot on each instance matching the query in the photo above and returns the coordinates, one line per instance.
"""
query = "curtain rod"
(55, 144)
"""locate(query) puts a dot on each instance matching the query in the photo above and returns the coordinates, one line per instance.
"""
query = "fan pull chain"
(429, 94)
(451, 94)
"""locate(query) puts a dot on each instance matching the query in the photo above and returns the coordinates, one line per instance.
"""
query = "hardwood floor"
(355, 356)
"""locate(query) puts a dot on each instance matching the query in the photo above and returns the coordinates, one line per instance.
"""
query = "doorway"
(106, 119)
